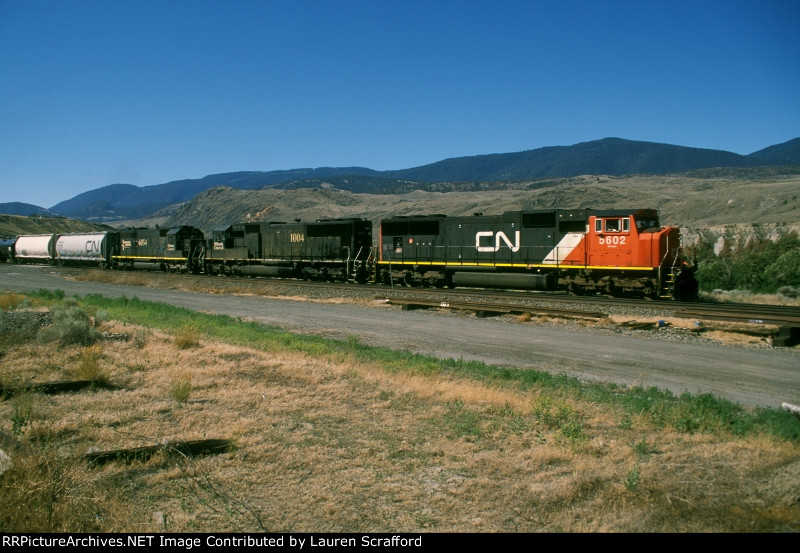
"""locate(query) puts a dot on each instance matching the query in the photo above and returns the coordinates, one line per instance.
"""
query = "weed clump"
(43, 492)
(89, 366)
(181, 387)
(186, 338)
(11, 301)
(140, 337)
(633, 478)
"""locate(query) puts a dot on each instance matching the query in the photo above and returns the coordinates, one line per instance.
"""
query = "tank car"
(92, 249)
(178, 249)
(582, 251)
(35, 248)
(327, 249)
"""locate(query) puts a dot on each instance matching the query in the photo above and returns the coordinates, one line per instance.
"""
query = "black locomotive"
(178, 249)
(328, 249)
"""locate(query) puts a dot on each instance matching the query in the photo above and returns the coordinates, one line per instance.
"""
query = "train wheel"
(575, 289)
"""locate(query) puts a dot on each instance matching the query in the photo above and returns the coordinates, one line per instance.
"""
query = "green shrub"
(791, 292)
(759, 265)
(100, 317)
(71, 326)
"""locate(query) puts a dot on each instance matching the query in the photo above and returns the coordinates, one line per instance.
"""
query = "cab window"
(647, 223)
(613, 225)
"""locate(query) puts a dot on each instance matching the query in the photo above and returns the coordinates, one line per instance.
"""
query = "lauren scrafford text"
(148, 540)
(293, 541)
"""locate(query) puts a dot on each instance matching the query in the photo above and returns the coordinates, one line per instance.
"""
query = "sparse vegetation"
(321, 422)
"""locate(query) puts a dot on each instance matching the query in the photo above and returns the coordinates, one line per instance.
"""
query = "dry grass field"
(335, 442)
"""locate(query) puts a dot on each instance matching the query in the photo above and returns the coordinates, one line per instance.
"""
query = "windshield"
(647, 223)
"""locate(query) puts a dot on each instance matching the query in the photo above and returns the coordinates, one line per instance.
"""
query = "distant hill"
(787, 153)
(14, 225)
(126, 201)
(609, 156)
(19, 208)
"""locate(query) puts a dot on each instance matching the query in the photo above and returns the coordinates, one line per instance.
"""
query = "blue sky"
(144, 92)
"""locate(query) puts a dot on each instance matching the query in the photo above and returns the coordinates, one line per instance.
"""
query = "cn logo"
(498, 239)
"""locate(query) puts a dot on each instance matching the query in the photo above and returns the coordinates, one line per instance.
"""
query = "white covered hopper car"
(86, 249)
(35, 248)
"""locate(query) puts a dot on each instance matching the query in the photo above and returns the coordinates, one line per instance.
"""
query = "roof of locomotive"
(182, 229)
(515, 215)
(622, 212)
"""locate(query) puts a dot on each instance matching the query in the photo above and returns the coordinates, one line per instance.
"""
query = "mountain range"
(609, 156)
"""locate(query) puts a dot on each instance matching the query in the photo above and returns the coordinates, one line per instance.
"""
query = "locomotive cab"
(177, 249)
(232, 246)
(646, 257)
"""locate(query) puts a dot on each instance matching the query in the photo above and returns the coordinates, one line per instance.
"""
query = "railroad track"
(785, 319)
(485, 309)
(492, 302)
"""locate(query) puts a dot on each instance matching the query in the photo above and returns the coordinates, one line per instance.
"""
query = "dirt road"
(752, 377)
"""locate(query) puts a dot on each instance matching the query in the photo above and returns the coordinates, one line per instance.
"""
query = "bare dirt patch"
(738, 334)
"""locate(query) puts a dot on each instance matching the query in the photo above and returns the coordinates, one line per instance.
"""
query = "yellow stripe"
(256, 261)
(123, 257)
(517, 265)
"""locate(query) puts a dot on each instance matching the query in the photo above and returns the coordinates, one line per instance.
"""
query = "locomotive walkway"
(752, 377)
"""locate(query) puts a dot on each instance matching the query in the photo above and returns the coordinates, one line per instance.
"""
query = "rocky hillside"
(684, 201)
